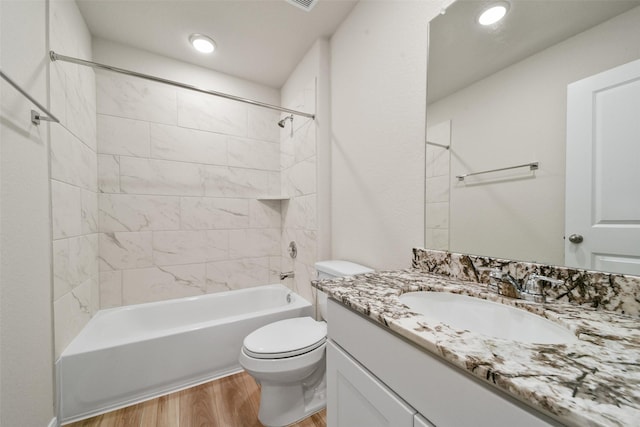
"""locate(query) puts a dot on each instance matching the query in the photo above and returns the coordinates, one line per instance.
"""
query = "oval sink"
(487, 318)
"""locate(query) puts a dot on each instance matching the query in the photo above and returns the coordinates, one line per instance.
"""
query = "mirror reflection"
(497, 96)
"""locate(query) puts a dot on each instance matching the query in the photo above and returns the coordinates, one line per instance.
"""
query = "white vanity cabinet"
(375, 378)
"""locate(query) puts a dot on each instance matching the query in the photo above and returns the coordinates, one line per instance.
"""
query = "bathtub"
(129, 354)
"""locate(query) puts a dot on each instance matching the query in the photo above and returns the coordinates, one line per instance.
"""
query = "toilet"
(287, 358)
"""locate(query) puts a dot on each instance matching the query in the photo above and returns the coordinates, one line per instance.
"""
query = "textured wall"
(378, 91)
(26, 339)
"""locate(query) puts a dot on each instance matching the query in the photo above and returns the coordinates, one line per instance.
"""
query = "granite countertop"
(595, 381)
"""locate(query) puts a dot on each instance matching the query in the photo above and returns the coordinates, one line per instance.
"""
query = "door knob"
(576, 238)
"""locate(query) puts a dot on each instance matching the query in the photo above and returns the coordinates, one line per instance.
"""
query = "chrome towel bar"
(438, 145)
(35, 116)
(532, 166)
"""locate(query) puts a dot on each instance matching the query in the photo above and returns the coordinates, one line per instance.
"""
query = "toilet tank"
(338, 268)
(333, 269)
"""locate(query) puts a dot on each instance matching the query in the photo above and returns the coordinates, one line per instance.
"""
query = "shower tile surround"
(179, 178)
(298, 163)
(593, 382)
(73, 171)
(437, 187)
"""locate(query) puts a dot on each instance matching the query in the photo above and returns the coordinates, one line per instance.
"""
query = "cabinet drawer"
(355, 398)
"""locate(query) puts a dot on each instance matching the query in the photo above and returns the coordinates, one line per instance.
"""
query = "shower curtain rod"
(57, 57)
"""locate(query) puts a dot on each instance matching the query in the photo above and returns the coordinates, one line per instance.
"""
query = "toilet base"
(283, 405)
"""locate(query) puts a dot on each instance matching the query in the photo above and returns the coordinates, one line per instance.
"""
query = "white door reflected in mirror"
(603, 171)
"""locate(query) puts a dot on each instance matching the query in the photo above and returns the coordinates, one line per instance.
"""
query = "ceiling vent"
(305, 5)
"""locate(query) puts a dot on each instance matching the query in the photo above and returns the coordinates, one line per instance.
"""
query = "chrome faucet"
(534, 290)
(504, 284)
(287, 274)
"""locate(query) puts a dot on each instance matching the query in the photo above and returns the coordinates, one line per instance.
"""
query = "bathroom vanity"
(365, 388)
(388, 365)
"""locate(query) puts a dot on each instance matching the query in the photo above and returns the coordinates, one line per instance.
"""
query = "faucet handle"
(534, 288)
(495, 276)
(496, 273)
(535, 278)
(493, 271)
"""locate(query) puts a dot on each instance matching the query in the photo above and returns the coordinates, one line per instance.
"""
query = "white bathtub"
(129, 354)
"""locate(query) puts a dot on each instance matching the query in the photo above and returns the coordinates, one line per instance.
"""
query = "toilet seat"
(285, 338)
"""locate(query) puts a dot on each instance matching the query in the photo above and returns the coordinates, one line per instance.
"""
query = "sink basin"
(487, 318)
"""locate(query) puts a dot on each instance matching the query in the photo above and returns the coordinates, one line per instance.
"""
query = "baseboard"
(53, 422)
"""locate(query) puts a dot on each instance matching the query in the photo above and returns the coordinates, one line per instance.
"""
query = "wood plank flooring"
(232, 401)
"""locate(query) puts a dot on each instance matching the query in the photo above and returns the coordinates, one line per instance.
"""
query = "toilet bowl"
(287, 359)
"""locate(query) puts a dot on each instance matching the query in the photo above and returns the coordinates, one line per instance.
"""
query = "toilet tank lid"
(341, 268)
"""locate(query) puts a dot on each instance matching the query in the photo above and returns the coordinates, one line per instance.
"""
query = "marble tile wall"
(179, 175)
(607, 291)
(298, 160)
(73, 165)
(437, 187)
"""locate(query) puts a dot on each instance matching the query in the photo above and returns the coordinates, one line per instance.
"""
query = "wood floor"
(228, 402)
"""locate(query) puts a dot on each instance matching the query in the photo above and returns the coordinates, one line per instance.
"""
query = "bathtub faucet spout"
(287, 274)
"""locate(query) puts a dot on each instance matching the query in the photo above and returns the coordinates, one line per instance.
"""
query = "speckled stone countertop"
(593, 382)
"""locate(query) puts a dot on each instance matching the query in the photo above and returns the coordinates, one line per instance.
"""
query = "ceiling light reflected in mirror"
(202, 43)
(493, 14)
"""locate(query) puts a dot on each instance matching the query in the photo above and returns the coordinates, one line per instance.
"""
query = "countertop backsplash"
(601, 290)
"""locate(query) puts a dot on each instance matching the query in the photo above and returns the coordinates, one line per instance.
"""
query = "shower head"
(282, 122)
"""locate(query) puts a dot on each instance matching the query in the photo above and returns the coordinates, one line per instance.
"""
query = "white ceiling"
(258, 40)
(462, 52)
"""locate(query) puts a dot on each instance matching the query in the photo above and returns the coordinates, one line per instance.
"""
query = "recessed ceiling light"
(493, 13)
(202, 43)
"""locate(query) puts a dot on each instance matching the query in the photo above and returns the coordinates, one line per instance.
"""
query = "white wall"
(26, 327)
(517, 116)
(378, 97)
(118, 55)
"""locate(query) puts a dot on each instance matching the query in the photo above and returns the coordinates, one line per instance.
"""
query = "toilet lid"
(285, 338)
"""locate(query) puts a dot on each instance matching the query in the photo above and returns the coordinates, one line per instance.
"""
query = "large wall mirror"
(497, 96)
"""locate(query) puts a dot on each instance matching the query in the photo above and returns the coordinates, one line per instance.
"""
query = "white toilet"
(287, 358)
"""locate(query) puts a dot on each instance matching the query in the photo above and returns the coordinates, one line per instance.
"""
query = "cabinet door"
(420, 421)
(355, 398)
